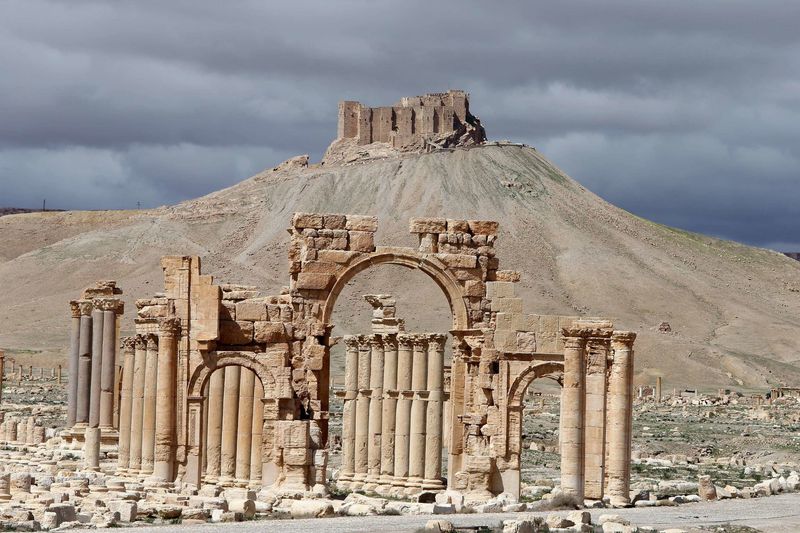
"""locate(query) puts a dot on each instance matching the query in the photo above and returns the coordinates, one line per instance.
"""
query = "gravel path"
(777, 514)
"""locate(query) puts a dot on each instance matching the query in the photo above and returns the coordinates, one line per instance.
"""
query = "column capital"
(405, 340)
(75, 308)
(152, 341)
(168, 327)
(85, 307)
(109, 304)
(390, 342)
(419, 341)
(438, 338)
(128, 344)
(351, 341)
(623, 339)
(141, 342)
(375, 341)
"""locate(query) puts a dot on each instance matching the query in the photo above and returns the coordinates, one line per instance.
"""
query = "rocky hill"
(733, 310)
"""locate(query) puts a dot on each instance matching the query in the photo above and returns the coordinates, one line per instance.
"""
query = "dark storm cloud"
(684, 112)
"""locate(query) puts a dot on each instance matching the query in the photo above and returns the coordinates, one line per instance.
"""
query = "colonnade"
(92, 370)
(234, 412)
(138, 399)
(393, 410)
(596, 414)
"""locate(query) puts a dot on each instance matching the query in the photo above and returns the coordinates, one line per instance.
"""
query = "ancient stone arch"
(285, 339)
(413, 259)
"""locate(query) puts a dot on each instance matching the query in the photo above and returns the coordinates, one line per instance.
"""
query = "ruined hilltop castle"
(414, 120)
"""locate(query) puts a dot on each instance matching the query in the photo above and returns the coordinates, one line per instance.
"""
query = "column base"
(433, 484)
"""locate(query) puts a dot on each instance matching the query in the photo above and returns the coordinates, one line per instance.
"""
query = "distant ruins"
(413, 121)
(224, 388)
(793, 255)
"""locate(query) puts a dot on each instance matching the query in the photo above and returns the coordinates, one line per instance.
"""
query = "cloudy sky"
(687, 113)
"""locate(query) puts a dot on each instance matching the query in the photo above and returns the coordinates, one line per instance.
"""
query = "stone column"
(230, 419)
(126, 404)
(658, 389)
(349, 410)
(573, 395)
(166, 415)
(137, 404)
(216, 393)
(73, 363)
(91, 448)
(97, 364)
(109, 366)
(597, 350)
(419, 383)
(256, 464)
(375, 412)
(620, 413)
(85, 365)
(402, 425)
(362, 414)
(245, 426)
(389, 416)
(433, 423)
(149, 409)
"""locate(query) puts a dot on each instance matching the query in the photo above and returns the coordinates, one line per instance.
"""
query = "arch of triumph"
(222, 386)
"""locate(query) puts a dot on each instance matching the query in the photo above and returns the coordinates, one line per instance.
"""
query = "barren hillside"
(734, 310)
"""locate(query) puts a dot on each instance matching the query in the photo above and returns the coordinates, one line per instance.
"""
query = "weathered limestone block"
(235, 333)
(526, 341)
(507, 305)
(336, 256)
(254, 310)
(475, 288)
(308, 220)
(483, 227)
(269, 332)
(314, 281)
(460, 226)
(500, 289)
(362, 223)
(458, 260)
(507, 275)
(20, 482)
(427, 225)
(362, 241)
(334, 221)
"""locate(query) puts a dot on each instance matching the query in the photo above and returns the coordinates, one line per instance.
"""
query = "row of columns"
(92, 366)
(25, 431)
(596, 414)
(138, 405)
(392, 417)
(234, 422)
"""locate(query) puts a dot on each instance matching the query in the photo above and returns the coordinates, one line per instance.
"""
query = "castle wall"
(405, 122)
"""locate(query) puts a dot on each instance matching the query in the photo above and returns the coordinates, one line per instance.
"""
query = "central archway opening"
(540, 453)
(393, 321)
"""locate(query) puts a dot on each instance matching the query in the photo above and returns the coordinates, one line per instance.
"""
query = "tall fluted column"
(149, 412)
(433, 423)
(389, 417)
(620, 413)
(245, 425)
(216, 393)
(256, 464)
(164, 453)
(419, 383)
(362, 414)
(403, 421)
(230, 419)
(73, 364)
(349, 410)
(126, 404)
(597, 349)
(108, 373)
(375, 412)
(137, 404)
(572, 413)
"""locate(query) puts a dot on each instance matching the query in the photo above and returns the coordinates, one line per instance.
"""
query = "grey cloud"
(687, 113)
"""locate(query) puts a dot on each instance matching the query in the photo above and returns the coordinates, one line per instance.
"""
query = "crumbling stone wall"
(409, 120)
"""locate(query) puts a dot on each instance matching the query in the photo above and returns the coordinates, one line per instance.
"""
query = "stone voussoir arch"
(249, 360)
(426, 263)
(528, 375)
